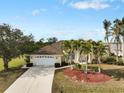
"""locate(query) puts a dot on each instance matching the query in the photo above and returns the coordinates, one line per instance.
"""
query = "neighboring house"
(113, 48)
(48, 55)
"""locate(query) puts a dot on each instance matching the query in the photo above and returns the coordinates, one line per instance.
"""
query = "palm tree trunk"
(99, 66)
(86, 70)
(87, 65)
(117, 53)
(109, 46)
(77, 55)
(123, 49)
(89, 58)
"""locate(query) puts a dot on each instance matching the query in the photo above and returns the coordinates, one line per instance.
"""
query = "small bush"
(112, 60)
(64, 64)
(72, 62)
(93, 68)
(29, 64)
(78, 66)
(120, 62)
(109, 60)
(27, 59)
(57, 65)
(83, 67)
(112, 54)
(61, 65)
(94, 61)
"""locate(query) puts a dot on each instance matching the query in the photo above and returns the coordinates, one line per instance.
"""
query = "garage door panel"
(44, 61)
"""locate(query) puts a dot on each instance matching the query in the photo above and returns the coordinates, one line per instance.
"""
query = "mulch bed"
(92, 77)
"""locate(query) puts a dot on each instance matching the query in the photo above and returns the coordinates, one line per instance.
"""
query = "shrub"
(112, 60)
(94, 61)
(57, 65)
(83, 67)
(109, 60)
(93, 68)
(61, 65)
(72, 62)
(27, 59)
(78, 66)
(29, 64)
(64, 64)
(112, 54)
(120, 62)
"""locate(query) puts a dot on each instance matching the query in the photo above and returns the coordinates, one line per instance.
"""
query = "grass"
(17, 62)
(63, 84)
(7, 78)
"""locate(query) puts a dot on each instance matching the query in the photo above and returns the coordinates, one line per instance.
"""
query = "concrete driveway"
(36, 80)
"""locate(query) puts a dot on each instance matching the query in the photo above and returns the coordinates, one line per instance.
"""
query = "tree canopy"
(12, 43)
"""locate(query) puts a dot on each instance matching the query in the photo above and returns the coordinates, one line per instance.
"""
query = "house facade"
(48, 55)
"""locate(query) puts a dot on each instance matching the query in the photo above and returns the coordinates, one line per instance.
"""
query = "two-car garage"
(45, 60)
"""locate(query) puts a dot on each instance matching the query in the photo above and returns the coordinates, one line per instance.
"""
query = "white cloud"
(108, 0)
(92, 34)
(35, 12)
(77, 33)
(56, 33)
(114, 0)
(92, 4)
(38, 11)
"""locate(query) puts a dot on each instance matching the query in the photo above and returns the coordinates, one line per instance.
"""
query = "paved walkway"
(35, 80)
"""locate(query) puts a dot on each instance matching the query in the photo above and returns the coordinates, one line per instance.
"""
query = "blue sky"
(64, 19)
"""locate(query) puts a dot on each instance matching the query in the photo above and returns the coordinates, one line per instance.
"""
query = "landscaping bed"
(8, 77)
(83, 77)
(64, 84)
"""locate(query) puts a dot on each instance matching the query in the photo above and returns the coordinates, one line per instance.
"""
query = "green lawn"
(67, 85)
(17, 62)
(7, 78)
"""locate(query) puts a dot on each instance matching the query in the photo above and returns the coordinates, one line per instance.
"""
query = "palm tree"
(99, 49)
(116, 36)
(107, 25)
(87, 50)
(73, 48)
(68, 50)
(121, 25)
(78, 47)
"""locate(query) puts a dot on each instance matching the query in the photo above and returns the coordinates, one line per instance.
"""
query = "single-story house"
(48, 55)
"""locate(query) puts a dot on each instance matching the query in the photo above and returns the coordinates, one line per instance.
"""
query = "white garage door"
(44, 61)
